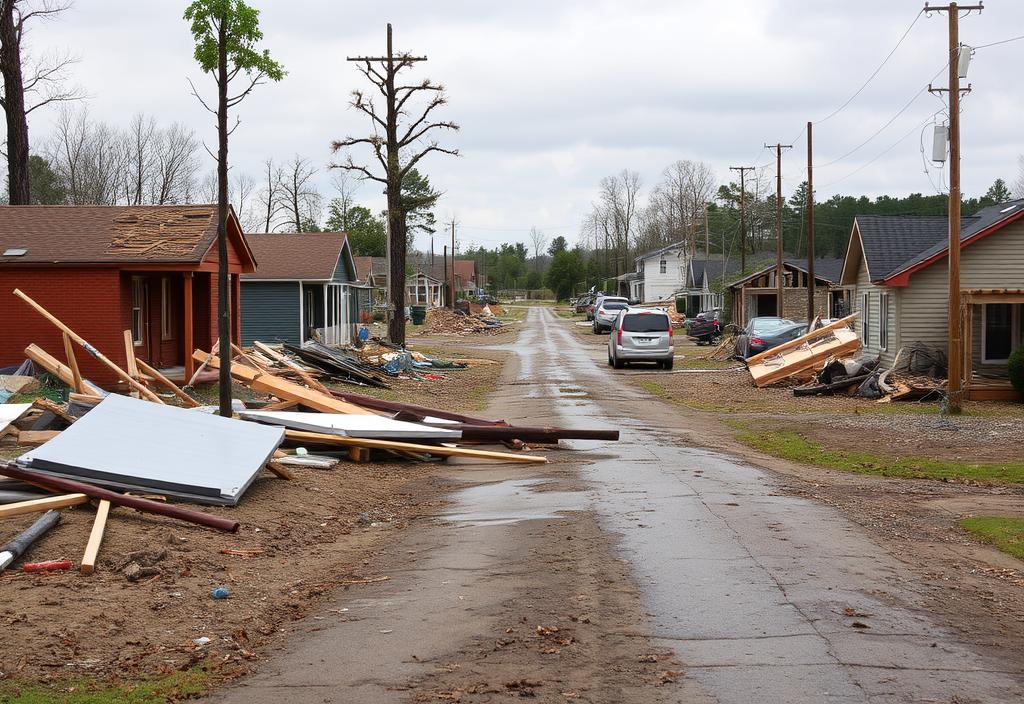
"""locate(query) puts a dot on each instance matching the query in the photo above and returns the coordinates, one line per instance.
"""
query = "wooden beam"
(129, 354)
(92, 548)
(153, 372)
(50, 363)
(281, 359)
(188, 322)
(439, 450)
(803, 339)
(76, 375)
(284, 389)
(43, 504)
(35, 438)
(102, 358)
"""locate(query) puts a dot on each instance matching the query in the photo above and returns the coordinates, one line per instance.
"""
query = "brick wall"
(89, 301)
(795, 303)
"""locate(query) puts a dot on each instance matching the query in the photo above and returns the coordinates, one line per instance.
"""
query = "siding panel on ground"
(270, 311)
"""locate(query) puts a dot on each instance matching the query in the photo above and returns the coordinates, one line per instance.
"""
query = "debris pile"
(146, 450)
(802, 358)
(443, 321)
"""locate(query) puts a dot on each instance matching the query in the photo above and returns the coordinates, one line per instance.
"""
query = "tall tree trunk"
(396, 217)
(14, 106)
(223, 288)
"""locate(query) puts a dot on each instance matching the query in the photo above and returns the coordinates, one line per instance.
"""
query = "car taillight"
(670, 333)
(756, 341)
(619, 336)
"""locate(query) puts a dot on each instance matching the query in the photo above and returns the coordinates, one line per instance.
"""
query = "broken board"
(125, 443)
(811, 354)
(351, 425)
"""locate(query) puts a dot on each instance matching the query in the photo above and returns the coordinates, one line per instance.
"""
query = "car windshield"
(613, 305)
(763, 325)
(645, 322)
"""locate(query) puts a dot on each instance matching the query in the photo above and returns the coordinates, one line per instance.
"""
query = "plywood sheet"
(126, 443)
(351, 425)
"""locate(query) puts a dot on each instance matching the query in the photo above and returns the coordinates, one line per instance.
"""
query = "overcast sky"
(554, 95)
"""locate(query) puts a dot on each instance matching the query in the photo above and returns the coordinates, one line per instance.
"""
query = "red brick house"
(106, 269)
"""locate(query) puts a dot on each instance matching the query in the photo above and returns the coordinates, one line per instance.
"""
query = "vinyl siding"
(658, 286)
(270, 311)
(994, 262)
(864, 286)
(340, 272)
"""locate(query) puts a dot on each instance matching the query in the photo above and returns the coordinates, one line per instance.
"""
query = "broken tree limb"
(44, 504)
(170, 385)
(440, 450)
(99, 356)
(92, 548)
(45, 481)
(284, 389)
(51, 364)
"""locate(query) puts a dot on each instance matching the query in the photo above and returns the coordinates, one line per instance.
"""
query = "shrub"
(1016, 369)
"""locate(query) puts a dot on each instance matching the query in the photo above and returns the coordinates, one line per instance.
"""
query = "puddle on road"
(572, 391)
(511, 502)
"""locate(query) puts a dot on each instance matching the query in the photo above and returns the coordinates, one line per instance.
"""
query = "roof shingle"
(301, 256)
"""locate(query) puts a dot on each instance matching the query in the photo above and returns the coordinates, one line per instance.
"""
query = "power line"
(874, 73)
(1001, 41)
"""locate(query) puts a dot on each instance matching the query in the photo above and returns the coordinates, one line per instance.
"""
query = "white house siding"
(658, 286)
(994, 262)
(864, 286)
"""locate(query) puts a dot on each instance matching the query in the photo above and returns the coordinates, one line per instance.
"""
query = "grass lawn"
(1005, 533)
(689, 361)
(531, 303)
(179, 685)
(792, 446)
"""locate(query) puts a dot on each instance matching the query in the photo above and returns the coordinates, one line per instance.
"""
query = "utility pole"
(396, 217)
(450, 303)
(743, 215)
(780, 270)
(453, 264)
(810, 226)
(954, 386)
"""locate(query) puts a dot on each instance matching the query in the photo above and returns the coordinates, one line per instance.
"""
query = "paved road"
(763, 596)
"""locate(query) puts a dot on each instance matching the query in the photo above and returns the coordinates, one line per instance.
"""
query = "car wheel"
(618, 363)
(609, 360)
(667, 364)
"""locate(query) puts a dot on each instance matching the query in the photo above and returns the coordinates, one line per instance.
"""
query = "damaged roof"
(299, 256)
(102, 234)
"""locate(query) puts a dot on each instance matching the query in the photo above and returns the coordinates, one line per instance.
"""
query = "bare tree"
(540, 241)
(243, 186)
(616, 215)
(269, 197)
(88, 158)
(300, 198)
(176, 165)
(28, 85)
(139, 156)
(402, 145)
(1018, 185)
(679, 199)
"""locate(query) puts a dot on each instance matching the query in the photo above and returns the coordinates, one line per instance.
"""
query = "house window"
(999, 330)
(883, 321)
(166, 310)
(865, 314)
(138, 306)
(663, 266)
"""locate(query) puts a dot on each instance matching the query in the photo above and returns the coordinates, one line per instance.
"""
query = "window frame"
(663, 266)
(883, 321)
(865, 303)
(138, 308)
(1015, 324)
(166, 309)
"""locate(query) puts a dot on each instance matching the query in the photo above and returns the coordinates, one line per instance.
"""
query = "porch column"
(967, 335)
(236, 308)
(190, 366)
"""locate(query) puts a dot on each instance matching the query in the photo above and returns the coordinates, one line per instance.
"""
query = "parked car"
(706, 327)
(606, 312)
(765, 333)
(641, 335)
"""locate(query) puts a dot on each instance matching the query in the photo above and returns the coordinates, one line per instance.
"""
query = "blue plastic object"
(364, 334)
(220, 593)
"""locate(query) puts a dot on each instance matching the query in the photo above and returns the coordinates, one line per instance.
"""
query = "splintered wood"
(806, 353)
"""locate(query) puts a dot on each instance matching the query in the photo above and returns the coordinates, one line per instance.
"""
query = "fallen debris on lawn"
(442, 321)
(802, 357)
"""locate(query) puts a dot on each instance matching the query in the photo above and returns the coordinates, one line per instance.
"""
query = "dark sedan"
(765, 333)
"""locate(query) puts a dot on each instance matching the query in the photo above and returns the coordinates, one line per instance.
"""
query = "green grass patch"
(688, 362)
(568, 313)
(1005, 533)
(179, 685)
(793, 446)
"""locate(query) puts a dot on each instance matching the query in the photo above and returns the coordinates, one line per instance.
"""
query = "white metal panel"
(351, 425)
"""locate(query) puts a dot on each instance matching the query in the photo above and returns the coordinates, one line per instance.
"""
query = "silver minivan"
(641, 335)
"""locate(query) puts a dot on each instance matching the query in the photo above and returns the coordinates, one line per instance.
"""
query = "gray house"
(304, 288)
(898, 268)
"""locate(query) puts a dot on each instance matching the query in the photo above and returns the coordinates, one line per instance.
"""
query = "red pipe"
(69, 486)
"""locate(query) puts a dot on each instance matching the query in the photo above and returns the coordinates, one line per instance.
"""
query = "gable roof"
(894, 246)
(710, 270)
(114, 234)
(465, 270)
(300, 256)
(828, 270)
(661, 250)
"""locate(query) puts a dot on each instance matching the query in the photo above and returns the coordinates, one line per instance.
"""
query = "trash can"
(418, 314)
(681, 305)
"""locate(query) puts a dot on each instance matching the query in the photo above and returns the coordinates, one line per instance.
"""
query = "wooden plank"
(50, 363)
(440, 450)
(803, 339)
(34, 438)
(204, 360)
(284, 389)
(155, 373)
(777, 367)
(54, 408)
(96, 354)
(43, 504)
(76, 375)
(92, 548)
(281, 359)
(129, 354)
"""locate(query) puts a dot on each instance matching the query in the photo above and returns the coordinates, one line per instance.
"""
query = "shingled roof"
(298, 256)
(892, 244)
(107, 234)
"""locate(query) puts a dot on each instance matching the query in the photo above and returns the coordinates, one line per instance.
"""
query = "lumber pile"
(806, 355)
(161, 442)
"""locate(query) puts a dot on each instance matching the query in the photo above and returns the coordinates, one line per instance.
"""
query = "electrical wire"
(1001, 41)
(874, 73)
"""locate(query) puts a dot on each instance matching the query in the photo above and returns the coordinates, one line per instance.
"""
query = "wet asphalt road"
(763, 596)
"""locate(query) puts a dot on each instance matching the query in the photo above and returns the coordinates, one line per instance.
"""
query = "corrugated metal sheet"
(126, 443)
